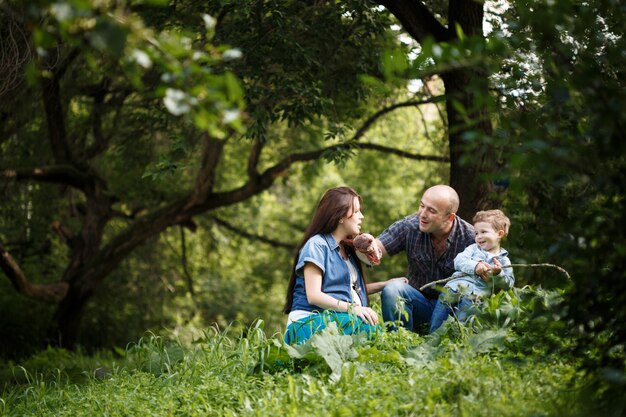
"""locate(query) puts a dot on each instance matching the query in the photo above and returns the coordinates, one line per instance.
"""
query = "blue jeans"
(443, 309)
(300, 331)
(402, 302)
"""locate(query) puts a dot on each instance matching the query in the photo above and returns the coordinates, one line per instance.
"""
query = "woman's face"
(353, 219)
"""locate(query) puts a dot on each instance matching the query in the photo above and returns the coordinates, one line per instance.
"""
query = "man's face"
(434, 212)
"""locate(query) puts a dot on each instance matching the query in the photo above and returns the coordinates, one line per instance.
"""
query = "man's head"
(438, 209)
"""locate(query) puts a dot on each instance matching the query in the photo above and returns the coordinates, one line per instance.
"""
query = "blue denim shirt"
(465, 263)
(323, 251)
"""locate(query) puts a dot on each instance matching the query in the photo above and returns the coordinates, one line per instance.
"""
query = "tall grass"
(483, 370)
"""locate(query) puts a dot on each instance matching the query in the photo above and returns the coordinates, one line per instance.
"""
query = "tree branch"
(56, 120)
(206, 174)
(255, 155)
(53, 107)
(202, 199)
(65, 233)
(50, 293)
(416, 19)
(100, 105)
(462, 274)
(370, 120)
(241, 232)
(403, 154)
(468, 14)
(61, 174)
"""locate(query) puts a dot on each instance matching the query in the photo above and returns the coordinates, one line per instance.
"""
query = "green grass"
(473, 370)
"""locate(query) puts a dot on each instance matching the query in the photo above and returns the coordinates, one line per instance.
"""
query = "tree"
(113, 100)
(466, 84)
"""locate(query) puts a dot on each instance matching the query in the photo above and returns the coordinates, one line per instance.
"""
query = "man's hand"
(403, 280)
(366, 243)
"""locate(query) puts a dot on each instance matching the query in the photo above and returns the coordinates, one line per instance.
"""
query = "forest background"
(160, 160)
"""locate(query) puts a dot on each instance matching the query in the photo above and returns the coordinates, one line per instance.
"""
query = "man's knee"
(392, 291)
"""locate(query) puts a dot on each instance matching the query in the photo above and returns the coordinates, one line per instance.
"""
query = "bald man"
(431, 239)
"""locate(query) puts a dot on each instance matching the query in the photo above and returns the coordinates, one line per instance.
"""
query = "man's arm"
(374, 287)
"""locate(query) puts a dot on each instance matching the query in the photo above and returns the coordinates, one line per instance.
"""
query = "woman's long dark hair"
(334, 205)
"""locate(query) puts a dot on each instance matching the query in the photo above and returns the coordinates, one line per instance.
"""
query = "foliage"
(567, 161)
(557, 73)
(139, 90)
(474, 370)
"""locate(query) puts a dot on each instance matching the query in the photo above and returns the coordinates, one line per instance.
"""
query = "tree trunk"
(470, 162)
(67, 319)
(467, 87)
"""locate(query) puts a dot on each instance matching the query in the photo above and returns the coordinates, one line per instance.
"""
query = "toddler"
(479, 268)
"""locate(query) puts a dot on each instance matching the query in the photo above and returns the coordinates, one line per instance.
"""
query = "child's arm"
(463, 262)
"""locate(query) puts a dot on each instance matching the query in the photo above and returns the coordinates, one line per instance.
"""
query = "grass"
(463, 371)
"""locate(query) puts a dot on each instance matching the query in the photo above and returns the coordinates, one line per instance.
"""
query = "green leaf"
(108, 36)
(336, 349)
(488, 340)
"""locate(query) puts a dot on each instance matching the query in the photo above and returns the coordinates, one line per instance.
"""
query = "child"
(479, 268)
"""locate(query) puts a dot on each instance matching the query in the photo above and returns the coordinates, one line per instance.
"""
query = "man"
(431, 239)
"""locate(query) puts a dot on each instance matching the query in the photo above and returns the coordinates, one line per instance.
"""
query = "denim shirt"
(465, 263)
(323, 250)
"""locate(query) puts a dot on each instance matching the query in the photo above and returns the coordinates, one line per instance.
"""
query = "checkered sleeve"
(394, 237)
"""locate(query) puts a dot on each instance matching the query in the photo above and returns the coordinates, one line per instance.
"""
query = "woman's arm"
(315, 296)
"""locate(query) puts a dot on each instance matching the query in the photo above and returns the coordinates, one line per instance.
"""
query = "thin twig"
(442, 281)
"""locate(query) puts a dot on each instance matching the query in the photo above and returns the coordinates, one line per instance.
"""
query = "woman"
(327, 282)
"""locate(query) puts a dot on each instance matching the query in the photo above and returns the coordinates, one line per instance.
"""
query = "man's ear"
(451, 216)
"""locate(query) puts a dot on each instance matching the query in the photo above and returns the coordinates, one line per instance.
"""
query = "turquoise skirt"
(300, 331)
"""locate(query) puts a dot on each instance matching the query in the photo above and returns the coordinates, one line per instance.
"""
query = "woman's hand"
(366, 314)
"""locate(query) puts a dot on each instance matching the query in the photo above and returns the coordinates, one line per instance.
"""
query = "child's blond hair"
(496, 218)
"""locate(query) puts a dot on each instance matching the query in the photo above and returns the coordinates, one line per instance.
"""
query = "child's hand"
(497, 266)
(483, 270)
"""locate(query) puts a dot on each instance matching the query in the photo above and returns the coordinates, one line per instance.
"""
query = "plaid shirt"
(423, 265)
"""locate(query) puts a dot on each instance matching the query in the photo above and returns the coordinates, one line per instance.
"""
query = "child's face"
(487, 237)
